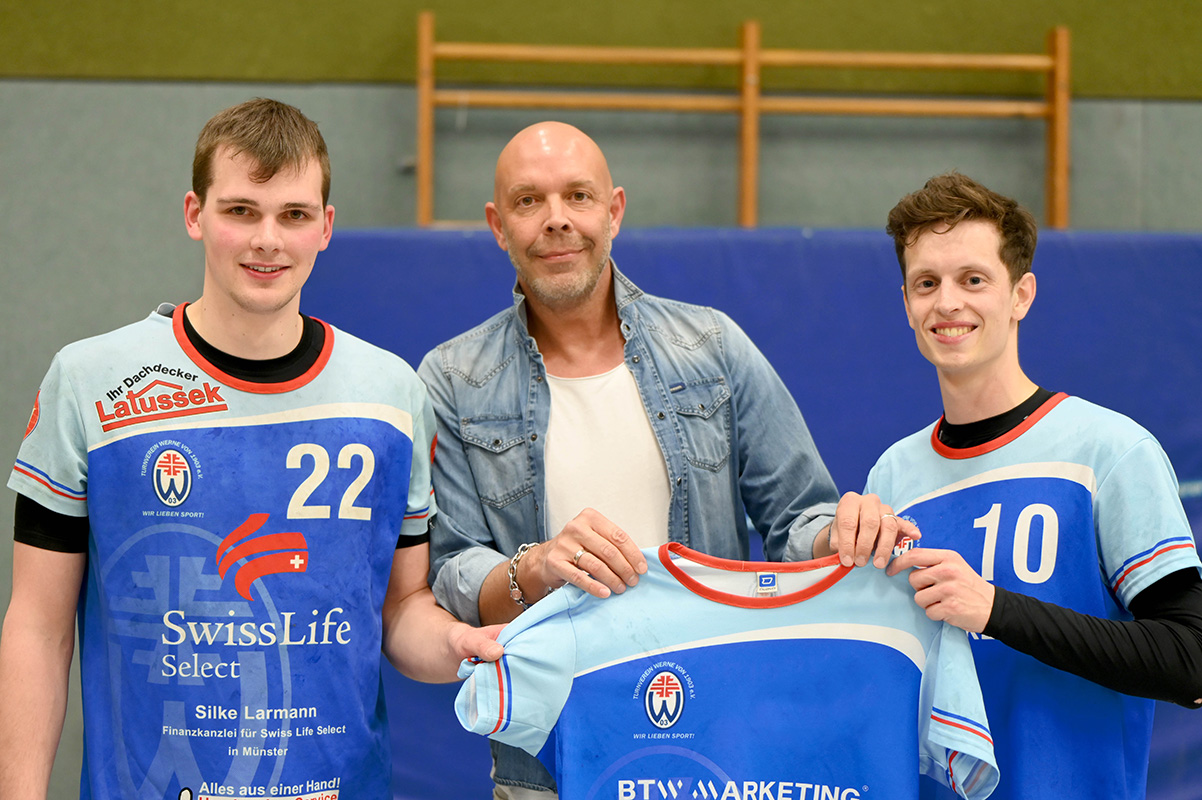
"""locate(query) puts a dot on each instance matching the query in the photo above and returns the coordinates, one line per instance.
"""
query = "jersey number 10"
(1022, 542)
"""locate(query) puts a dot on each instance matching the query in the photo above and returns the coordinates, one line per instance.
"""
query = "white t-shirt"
(602, 454)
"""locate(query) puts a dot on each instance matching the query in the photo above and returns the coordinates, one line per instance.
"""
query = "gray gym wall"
(95, 156)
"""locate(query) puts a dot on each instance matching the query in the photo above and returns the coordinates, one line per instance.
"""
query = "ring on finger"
(576, 558)
(895, 516)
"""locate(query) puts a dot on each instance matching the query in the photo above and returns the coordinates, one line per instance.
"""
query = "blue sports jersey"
(726, 679)
(1077, 506)
(242, 539)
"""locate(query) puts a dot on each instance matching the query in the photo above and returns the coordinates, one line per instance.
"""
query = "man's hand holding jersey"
(591, 552)
(863, 529)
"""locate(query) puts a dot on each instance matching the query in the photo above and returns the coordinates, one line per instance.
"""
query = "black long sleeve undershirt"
(1158, 654)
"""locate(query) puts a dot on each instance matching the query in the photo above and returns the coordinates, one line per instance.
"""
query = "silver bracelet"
(515, 591)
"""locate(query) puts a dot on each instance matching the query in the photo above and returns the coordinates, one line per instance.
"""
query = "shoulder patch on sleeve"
(34, 415)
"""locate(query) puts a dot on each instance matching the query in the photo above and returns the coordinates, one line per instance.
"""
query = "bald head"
(547, 146)
(555, 210)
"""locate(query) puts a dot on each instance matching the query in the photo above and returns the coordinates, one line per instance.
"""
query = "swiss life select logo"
(265, 554)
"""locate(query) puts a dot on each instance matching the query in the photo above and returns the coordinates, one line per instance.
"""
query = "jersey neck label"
(766, 584)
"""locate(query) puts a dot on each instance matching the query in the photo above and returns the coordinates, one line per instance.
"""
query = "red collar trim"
(177, 326)
(1001, 441)
(727, 565)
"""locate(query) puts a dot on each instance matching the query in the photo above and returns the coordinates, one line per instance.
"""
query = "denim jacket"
(732, 436)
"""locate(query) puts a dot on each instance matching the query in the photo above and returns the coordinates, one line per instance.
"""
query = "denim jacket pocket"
(703, 408)
(499, 465)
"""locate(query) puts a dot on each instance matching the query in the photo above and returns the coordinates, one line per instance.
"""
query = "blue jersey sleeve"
(1143, 533)
(956, 745)
(421, 506)
(52, 464)
(517, 700)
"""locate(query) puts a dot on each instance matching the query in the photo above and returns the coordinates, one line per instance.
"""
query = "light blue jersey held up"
(719, 679)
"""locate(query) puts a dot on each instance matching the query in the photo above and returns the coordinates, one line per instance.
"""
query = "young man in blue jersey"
(1052, 528)
(234, 498)
(590, 419)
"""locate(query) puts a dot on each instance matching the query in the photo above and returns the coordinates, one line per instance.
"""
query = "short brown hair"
(951, 198)
(275, 135)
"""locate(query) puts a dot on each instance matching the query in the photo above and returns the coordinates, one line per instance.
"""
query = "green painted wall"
(1121, 48)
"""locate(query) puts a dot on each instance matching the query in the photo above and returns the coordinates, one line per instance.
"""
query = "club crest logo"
(172, 477)
(664, 699)
(906, 543)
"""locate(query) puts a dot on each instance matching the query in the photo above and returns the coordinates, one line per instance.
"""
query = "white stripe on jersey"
(1077, 473)
(902, 641)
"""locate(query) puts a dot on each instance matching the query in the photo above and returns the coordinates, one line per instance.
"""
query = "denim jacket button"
(635, 359)
(534, 437)
(660, 415)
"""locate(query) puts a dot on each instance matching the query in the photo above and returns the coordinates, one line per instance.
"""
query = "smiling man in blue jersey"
(234, 497)
(1052, 527)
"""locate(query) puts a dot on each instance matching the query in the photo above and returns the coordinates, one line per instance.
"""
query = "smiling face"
(961, 304)
(260, 238)
(555, 211)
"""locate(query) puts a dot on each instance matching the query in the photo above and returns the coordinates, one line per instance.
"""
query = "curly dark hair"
(951, 198)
